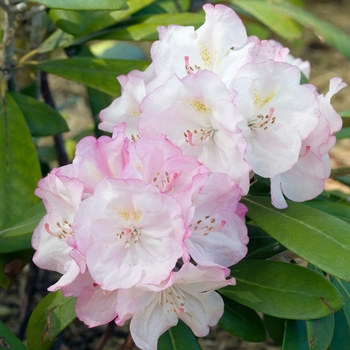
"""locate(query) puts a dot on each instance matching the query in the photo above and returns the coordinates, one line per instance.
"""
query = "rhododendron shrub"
(207, 182)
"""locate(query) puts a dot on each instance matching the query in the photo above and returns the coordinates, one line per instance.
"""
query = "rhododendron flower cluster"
(234, 102)
(143, 225)
(138, 230)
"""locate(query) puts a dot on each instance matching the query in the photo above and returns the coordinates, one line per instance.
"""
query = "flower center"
(262, 122)
(62, 230)
(206, 225)
(188, 68)
(173, 300)
(129, 235)
(195, 137)
(164, 181)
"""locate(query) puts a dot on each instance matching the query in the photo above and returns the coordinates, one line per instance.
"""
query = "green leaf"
(344, 133)
(41, 119)
(283, 290)
(341, 336)
(179, 337)
(327, 32)
(53, 314)
(168, 6)
(8, 340)
(275, 327)
(98, 20)
(319, 238)
(94, 72)
(261, 245)
(264, 11)
(72, 22)
(17, 234)
(339, 210)
(106, 5)
(19, 166)
(242, 322)
(57, 39)
(147, 29)
(11, 264)
(320, 332)
(309, 335)
(344, 289)
(345, 114)
(295, 336)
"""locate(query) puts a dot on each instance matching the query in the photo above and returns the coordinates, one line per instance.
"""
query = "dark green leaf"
(98, 20)
(53, 314)
(344, 289)
(11, 264)
(167, 6)
(72, 22)
(19, 166)
(345, 114)
(17, 234)
(8, 340)
(94, 72)
(108, 5)
(343, 133)
(320, 332)
(42, 119)
(264, 11)
(344, 179)
(147, 29)
(283, 290)
(275, 327)
(261, 245)
(57, 39)
(327, 32)
(341, 336)
(179, 337)
(315, 236)
(295, 336)
(242, 322)
(339, 210)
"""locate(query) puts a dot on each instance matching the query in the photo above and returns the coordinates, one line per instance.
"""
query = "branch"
(59, 143)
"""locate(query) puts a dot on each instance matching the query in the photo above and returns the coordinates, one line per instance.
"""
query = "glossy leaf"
(275, 327)
(97, 20)
(8, 340)
(72, 22)
(58, 39)
(106, 5)
(326, 31)
(41, 119)
(264, 11)
(261, 245)
(295, 336)
(345, 114)
(11, 264)
(339, 210)
(94, 72)
(53, 314)
(344, 133)
(283, 290)
(19, 166)
(242, 322)
(344, 289)
(341, 336)
(17, 235)
(179, 337)
(147, 29)
(320, 332)
(319, 238)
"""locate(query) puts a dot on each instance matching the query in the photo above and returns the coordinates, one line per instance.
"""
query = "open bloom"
(187, 295)
(198, 115)
(129, 232)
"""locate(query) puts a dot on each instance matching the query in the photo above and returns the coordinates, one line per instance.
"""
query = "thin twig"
(59, 143)
(102, 341)
(128, 344)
